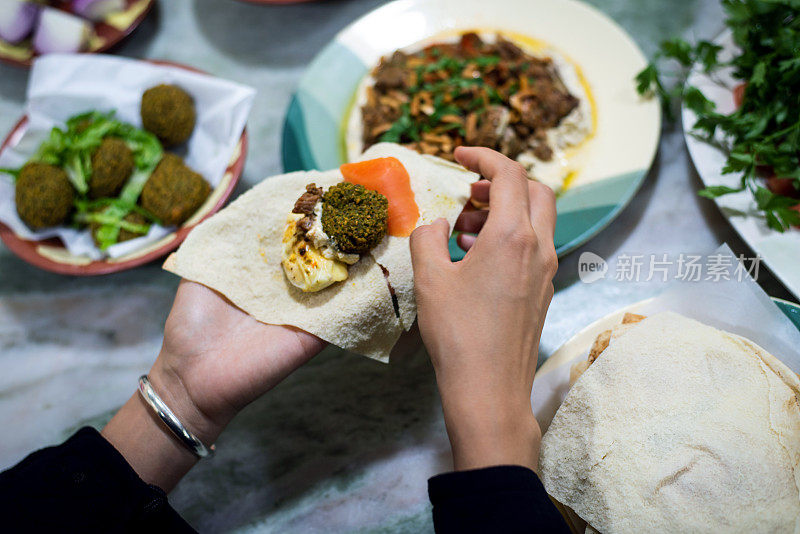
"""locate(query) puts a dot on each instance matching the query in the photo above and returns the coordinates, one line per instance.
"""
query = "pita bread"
(441, 189)
(678, 427)
(238, 253)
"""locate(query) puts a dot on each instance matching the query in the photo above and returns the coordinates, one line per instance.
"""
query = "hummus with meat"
(531, 105)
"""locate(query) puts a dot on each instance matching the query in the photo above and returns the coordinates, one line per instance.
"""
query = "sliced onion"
(97, 9)
(17, 18)
(59, 31)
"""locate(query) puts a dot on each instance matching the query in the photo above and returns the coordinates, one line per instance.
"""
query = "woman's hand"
(215, 360)
(481, 318)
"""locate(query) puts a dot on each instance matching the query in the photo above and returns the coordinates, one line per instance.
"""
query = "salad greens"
(14, 173)
(71, 148)
(762, 136)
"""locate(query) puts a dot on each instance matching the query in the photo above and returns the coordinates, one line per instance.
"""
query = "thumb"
(429, 246)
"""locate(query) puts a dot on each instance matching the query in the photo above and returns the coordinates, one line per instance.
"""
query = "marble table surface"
(345, 444)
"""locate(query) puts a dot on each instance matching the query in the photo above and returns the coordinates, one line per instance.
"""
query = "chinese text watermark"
(663, 268)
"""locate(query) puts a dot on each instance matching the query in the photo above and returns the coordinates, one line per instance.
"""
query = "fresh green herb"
(403, 128)
(649, 80)
(763, 134)
(486, 61)
(14, 173)
(494, 96)
(477, 104)
(458, 85)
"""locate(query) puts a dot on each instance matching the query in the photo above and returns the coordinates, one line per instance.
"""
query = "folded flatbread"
(237, 252)
(678, 427)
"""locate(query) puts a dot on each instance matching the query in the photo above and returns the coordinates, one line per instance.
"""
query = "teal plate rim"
(789, 309)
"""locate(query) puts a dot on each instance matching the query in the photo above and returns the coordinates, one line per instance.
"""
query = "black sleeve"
(507, 498)
(83, 485)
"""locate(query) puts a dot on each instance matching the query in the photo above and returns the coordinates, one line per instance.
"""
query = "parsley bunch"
(764, 133)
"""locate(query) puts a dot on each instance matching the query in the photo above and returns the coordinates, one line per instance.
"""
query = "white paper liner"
(63, 85)
(739, 307)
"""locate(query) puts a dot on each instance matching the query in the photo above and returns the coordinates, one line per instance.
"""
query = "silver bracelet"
(162, 410)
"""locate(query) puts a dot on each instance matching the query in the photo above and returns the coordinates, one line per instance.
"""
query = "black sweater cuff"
(508, 498)
(85, 485)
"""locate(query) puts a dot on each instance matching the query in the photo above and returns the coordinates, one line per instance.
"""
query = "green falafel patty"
(174, 191)
(354, 217)
(112, 165)
(44, 195)
(168, 112)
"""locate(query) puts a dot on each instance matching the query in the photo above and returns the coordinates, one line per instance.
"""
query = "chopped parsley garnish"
(456, 86)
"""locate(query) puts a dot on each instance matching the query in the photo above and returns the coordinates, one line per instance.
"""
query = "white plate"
(780, 251)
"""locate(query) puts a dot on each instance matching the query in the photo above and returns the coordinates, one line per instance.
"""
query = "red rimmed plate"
(105, 35)
(51, 255)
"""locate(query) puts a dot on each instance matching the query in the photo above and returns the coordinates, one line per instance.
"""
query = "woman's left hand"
(215, 360)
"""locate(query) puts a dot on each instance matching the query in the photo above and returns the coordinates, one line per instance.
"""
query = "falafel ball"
(44, 195)
(354, 217)
(174, 191)
(112, 165)
(168, 112)
(124, 235)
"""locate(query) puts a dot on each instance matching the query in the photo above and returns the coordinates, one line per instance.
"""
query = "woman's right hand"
(481, 318)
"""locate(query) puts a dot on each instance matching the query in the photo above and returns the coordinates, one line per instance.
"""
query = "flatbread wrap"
(241, 252)
(675, 426)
